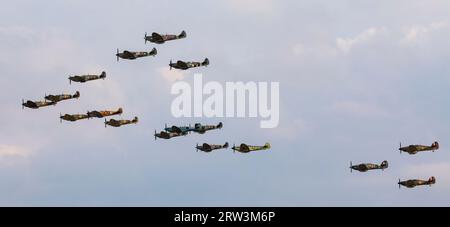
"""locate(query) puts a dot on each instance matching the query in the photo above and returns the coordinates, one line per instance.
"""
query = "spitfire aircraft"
(415, 182)
(168, 135)
(414, 149)
(37, 104)
(368, 166)
(133, 55)
(210, 147)
(178, 129)
(73, 117)
(59, 98)
(160, 39)
(118, 123)
(187, 65)
(105, 113)
(199, 128)
(85, 78)
(244, 148)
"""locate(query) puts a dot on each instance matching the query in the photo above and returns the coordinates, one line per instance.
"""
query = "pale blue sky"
(356, 78)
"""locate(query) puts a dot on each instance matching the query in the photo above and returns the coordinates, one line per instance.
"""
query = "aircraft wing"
(182, 64)
(157, 37)
(244, 147)
(176, 129)
(207, 147)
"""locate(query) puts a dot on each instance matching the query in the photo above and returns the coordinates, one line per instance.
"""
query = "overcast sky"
(356, 78)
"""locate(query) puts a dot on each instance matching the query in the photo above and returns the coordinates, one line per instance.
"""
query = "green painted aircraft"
(414, 149)
(415, 182)
(85, 78)
(244, 148)
(160, 39)
(118, 123)
(205, 147)
(364, 167)
(130, 55)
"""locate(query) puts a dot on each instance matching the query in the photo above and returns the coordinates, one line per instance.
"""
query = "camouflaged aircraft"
(59, 98)
(130, 55)
(244, 148)
(118, 123)
(37, 104)
(210, 147)
(187, 65)
(85, 78)
(105, 113)
(364, 167)
(72, 117)
(160, 39)
(199, 128)
(414, 149)
(178, 129)
(168, 135)
(415, 182)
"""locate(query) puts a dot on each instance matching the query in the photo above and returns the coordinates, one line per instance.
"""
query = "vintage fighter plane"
(244, 148)
(36, 104)
(160, 39)
(210, 147)
(85, 78)
(168, 135)
(364, 167)
(199, 128)
(118, 123)
(59, 98)
(414, 149)
(415, 182)
(73, 117)
(187, 65)
(133, 55)
(178, 129)
(105, 113)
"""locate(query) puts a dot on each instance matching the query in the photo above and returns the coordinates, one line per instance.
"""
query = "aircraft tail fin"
(120, 110)
(153, 52)
(432, 180)
(205, 62)
(225, 145)
(384, 164)
(435, 145)
(182, 34)
(77, 94)
(135, 120)
(267, 146)
(220, 125)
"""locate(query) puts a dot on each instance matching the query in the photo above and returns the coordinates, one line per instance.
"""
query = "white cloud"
(346, 44)
(13, 151)
(171, 75)
(416, 33)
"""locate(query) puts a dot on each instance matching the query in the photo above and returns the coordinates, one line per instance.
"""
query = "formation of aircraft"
(411, 149)
(130, 55)
(364, 167)
(414, 149)
(205, 147)
(118, 123)
(86, 78)
(244, 148)
(415, 182)
(160, 39)
(188, 64)
(104, 113)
